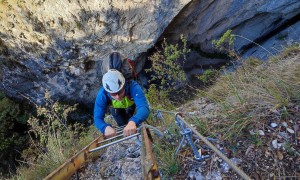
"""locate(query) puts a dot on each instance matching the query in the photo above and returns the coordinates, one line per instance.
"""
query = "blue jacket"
(134, 91)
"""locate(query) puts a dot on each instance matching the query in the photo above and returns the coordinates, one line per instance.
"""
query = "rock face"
(59, 46)
(268, 23)
(120, 161)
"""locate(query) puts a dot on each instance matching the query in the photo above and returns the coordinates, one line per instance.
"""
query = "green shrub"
(12, 138)
(208, 76)
(158, 99)
(226, 44)
(165, 65)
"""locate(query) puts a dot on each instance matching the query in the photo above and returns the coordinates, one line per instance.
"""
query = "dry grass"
(248, 95)
(245, 98)
(60, 146)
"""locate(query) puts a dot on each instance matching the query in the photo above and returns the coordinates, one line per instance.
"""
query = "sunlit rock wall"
(58, 46)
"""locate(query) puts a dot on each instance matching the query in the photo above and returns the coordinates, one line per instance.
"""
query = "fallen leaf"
(290, 130)
(249, 149)
(255, 175)
(279, 155)
(267, 153)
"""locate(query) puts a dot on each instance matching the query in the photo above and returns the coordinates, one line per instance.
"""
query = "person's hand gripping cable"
(129, 129)
(109, 132)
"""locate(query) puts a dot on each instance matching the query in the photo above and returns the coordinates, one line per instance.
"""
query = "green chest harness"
(124, 103)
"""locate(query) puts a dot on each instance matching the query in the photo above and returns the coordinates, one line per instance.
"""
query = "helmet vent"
(119, 82)
(107, 87)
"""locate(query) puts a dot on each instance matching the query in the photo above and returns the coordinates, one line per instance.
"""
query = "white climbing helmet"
(113, 81)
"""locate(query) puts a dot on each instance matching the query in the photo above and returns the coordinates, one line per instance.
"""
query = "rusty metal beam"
(149, 166)
(71, 165)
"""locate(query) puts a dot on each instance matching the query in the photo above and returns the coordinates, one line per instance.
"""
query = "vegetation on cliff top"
(254, 107)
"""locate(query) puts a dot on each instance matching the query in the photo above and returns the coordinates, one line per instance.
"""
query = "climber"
(124, 96)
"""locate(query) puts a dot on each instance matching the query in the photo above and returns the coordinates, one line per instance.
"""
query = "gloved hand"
(109, 132)
(129, 129)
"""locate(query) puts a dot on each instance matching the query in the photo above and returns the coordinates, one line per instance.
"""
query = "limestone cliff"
(58, 46)
(271, 24)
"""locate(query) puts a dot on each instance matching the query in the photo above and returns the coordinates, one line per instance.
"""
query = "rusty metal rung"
(114, 142)
(109, 139)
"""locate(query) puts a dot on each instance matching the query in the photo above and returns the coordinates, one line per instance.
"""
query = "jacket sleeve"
(141, 103)
(100, 109)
